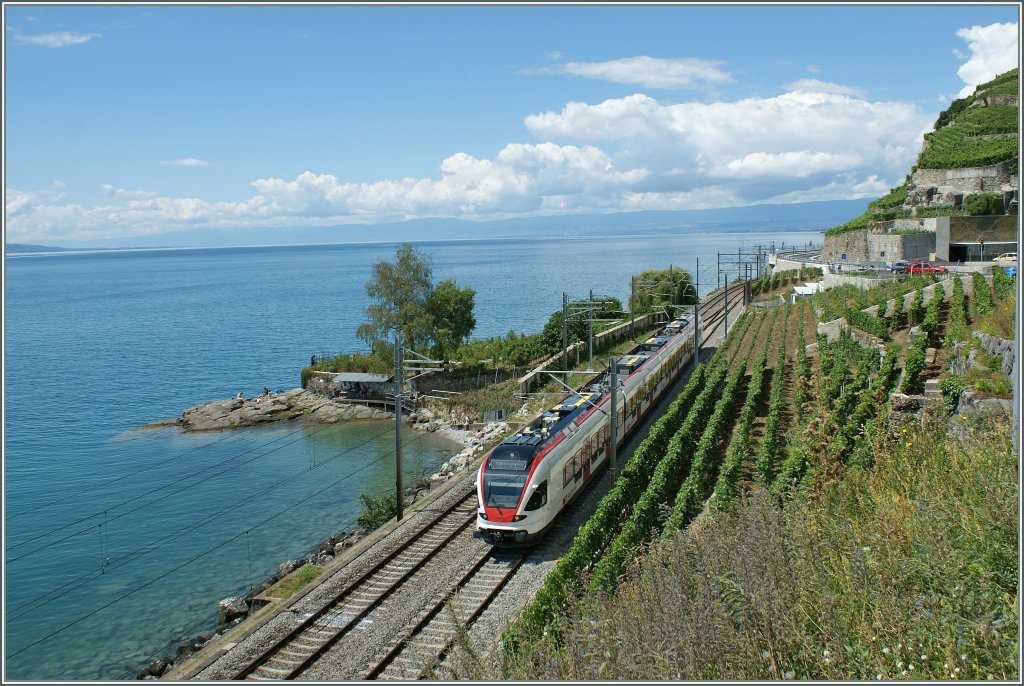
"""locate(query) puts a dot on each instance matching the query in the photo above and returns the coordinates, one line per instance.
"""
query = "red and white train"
(527, 480)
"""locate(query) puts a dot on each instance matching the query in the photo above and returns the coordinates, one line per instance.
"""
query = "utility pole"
(726, 307)
(399, 499)
(696, 337)
(632, 304)
(565, 332)
(590, 331)
(671, 288)
(718, 271)
(613, 458)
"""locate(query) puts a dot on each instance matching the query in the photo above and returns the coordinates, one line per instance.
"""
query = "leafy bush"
(982, 295)
(952, 386)
(377, 511)
(1002, 284)
(983, 204)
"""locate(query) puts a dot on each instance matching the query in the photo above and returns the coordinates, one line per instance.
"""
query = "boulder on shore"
(293, 405)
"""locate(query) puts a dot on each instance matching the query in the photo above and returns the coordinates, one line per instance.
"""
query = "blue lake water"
(120, 542)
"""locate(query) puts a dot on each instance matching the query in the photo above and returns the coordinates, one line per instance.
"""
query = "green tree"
(451, 314)
(399, 292)
(655, 288)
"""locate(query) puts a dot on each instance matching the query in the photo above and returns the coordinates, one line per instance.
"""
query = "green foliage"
(939, 211)
(916, 312)
(911, 562)
(952, 387)
(1008, 78)
(371, 364)
(982, 295)
(894, 198)
(728, 476)
(957, 106)
(578, 325)
(1002, 284)
(399, 292)
(654, 288)
(377, 511)
(451, 313)
(770, 282)
(563, 583)
(768, 451)
(955, 146)
(855, 224)
(690, 498)
(983, 203)
(876, 326)
(301, 578)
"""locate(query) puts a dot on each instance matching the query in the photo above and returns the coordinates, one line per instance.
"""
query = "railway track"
(712, 310)
(425, 641)
(301, 647)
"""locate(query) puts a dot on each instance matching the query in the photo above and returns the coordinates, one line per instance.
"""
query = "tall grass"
(904, 571)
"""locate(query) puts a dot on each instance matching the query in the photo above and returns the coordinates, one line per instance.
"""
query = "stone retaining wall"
(1000, 347)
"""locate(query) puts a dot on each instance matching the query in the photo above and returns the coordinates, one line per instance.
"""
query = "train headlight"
(518, 518)
(483, 515)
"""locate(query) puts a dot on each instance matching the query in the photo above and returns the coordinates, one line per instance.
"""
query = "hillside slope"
(968, 163)
(803, 519)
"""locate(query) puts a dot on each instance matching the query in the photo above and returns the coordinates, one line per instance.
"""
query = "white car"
(1006, 257)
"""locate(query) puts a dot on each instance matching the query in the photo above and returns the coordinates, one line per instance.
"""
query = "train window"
(539, 498)
(567, 473)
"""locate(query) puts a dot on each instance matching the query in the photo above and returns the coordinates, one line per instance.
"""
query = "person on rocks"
(239, 396)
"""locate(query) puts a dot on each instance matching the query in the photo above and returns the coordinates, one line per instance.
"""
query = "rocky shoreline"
(238, 413)
(296, 404)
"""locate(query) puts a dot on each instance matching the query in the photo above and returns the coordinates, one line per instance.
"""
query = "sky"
(123, 121)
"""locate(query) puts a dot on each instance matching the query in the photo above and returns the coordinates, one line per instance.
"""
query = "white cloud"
(111, 192)
(816, 86)
(60, 39)
(765, 146)
(627, 153)
(652, 72)
(994, 49)
(188, 162)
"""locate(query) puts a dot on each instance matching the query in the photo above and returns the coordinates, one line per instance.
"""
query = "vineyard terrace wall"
(863, 245)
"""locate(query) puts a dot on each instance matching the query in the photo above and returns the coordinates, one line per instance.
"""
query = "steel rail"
(321, 637)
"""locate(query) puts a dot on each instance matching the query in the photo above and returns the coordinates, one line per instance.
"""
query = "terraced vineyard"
(769, 413)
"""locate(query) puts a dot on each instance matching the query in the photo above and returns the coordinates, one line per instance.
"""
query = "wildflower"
(924, 657)
(903, 673)
(765, 654)
(825, 653)
(910, 667)
(789, 674)
(885, 650)
(956, 670)
(899, 665)
(963, 658)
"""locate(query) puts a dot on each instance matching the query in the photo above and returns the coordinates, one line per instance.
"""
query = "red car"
(924, 268)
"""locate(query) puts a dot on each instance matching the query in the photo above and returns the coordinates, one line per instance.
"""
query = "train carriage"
(525, 482)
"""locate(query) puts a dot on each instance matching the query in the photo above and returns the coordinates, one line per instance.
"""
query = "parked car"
(899, 265)
(924, 268)
(1006, 257)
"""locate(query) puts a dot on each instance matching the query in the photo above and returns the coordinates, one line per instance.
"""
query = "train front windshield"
(505, 475)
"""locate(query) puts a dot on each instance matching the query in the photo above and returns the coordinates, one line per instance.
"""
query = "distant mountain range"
(812, 216)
